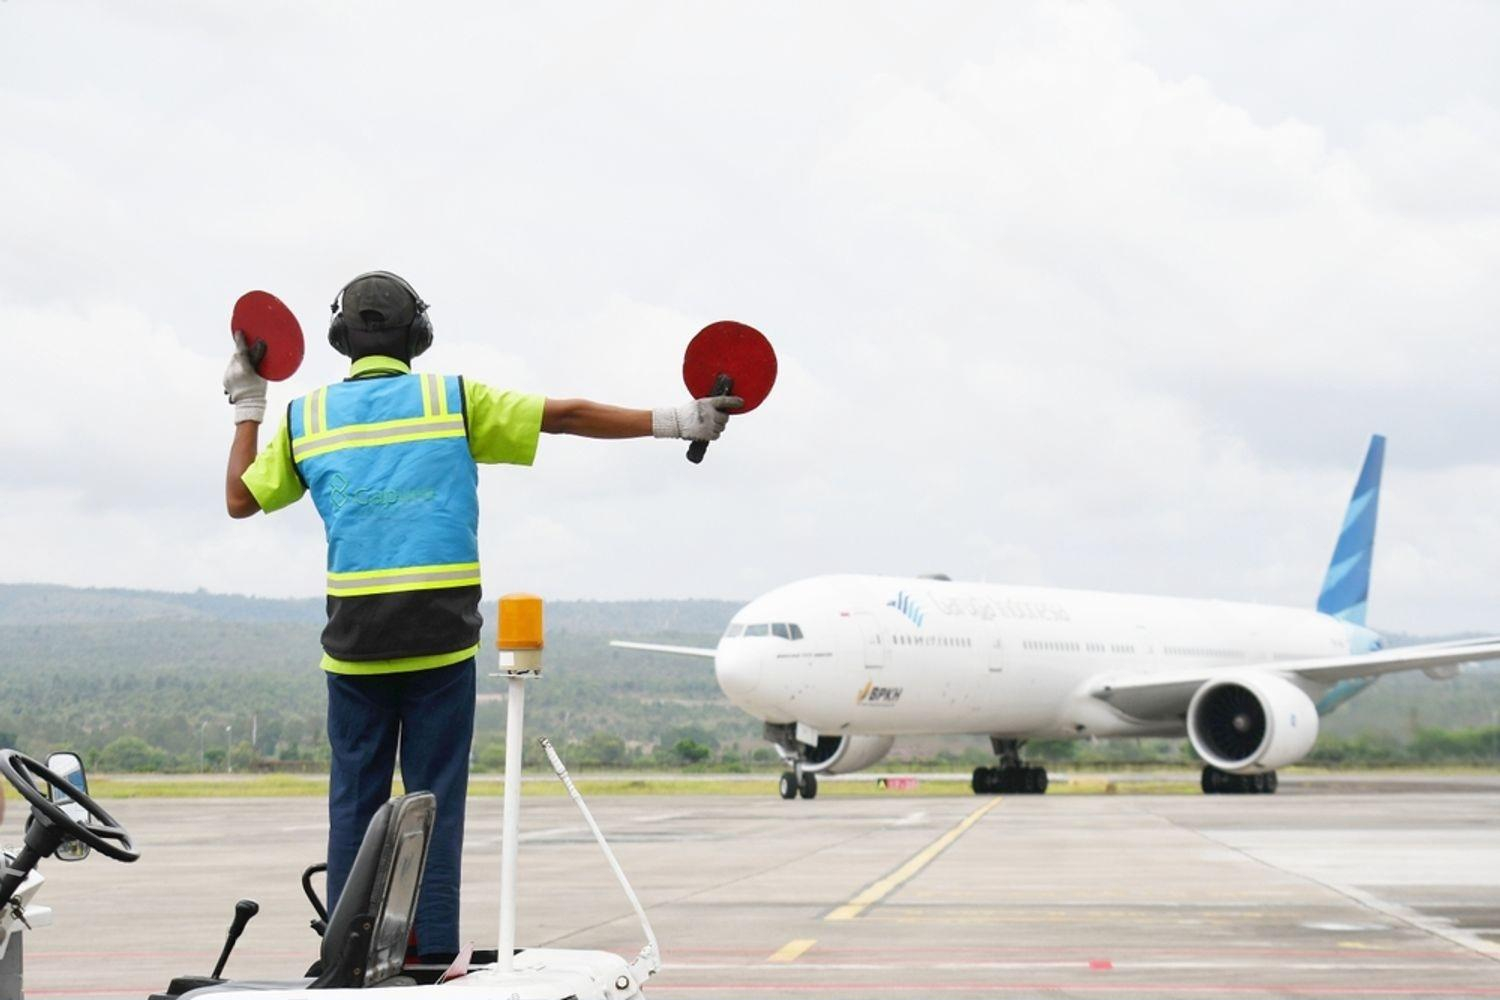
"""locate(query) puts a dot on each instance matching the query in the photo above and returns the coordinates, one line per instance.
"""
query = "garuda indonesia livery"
(839, 666)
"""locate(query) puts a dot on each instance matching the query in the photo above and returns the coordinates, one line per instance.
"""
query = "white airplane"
(839, 666)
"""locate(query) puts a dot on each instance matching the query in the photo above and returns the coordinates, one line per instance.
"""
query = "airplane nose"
(737, 666)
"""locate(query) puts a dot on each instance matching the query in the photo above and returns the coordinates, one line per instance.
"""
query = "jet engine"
(1251, 723)
(845, 754)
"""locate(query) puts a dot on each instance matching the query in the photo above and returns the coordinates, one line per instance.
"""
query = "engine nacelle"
(1251, 723)
(845, 754)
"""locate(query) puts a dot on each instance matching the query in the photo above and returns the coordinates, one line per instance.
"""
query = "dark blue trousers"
(429, 716)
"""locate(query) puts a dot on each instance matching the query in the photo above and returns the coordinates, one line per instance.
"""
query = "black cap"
(376, 302)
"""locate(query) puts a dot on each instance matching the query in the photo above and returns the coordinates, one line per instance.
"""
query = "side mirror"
(69, 766)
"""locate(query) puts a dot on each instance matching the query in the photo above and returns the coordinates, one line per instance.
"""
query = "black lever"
(321, 923)
(723, 386)
(243, 911)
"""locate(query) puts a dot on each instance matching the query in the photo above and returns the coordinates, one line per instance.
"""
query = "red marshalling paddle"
(728, 359)
(264, 319)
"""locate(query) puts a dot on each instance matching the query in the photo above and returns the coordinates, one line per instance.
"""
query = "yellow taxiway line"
(875, 893)
(792, 950)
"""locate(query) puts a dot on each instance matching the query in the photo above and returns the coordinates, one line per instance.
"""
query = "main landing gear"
(794, 783)
(1013, 776)
(1217, 782)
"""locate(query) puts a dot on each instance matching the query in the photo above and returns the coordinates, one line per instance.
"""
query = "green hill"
(86, 668)
(159, 677)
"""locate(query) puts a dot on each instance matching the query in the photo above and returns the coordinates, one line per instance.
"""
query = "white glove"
(243, 384)
(700, 420)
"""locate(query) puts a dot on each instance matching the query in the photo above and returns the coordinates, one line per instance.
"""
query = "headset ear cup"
(338, 334)
(419, 335)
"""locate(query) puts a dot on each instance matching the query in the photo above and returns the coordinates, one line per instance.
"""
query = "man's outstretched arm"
(699, 420)
(585, 418)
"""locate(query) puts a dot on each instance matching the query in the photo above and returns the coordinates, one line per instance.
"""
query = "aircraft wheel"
(788, 785)
(809, 788)
(984, 781)
(1216, 782)
(1272, 782)
(1038, 782)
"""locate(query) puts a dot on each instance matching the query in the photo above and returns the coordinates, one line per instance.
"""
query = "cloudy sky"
(1081, 294)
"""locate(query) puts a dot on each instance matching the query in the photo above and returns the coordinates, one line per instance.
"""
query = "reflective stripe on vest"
(391, 581)
(384, 432)
(434, 398)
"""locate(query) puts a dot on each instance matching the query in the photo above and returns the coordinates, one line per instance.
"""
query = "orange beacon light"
(520, 642)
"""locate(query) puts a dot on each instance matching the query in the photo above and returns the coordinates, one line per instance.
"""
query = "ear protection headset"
(418, 334)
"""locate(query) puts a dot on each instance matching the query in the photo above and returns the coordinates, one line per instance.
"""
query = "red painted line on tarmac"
(1275, 989)
(37, 956)
(1101, 964)
(1063, 951)
(114, 993)
(719, 987)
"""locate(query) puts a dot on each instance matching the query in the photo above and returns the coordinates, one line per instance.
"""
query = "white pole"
(510, 821)
(651, 954)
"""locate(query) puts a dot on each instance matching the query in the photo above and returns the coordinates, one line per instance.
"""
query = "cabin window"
(796, 631)
(779, 631)
(734, 631)
(757, 630)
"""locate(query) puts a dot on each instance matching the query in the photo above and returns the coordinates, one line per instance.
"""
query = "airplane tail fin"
(1346, 588)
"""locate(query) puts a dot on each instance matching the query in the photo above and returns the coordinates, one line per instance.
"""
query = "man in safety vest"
(389, 457)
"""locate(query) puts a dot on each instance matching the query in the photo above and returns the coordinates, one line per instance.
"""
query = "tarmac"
(1353, 887)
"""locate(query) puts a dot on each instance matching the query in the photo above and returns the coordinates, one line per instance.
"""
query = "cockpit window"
(779, 631)
(734, 630)
(757, 630)
(796, 631)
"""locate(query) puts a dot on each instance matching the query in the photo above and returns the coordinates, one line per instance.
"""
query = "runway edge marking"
(879, 890)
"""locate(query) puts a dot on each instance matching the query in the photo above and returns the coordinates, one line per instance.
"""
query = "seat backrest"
(375, 912)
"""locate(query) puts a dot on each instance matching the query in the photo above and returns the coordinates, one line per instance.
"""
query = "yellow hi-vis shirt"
(503, 428)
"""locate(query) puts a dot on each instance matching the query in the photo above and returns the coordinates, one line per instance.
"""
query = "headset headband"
(338, 300)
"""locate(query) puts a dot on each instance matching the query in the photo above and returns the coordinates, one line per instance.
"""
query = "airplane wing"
(1166, 696)
(651, 647)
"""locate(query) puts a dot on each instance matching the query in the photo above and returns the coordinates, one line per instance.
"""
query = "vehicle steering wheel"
(103, 833)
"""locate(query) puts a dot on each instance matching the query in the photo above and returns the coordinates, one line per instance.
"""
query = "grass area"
(543, 785)
(1162, 780)
(196, 786)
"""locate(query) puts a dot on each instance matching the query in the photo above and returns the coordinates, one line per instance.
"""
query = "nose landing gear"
(1013, 776)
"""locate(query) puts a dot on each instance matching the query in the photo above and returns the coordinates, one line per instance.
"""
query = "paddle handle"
(723, 386)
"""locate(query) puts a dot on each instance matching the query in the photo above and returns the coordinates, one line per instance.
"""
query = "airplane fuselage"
(872, 655)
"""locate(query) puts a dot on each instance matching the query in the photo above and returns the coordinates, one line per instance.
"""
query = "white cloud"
(1067, 293)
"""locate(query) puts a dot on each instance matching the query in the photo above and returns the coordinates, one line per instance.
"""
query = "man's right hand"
(701, 420)
(243, 384)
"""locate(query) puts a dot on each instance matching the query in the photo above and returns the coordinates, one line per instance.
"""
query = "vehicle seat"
(365, 943)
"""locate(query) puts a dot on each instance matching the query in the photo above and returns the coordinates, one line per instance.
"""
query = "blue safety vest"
(386, 459)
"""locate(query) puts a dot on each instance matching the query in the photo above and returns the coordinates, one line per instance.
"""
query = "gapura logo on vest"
(873, 694)
(341, 492)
